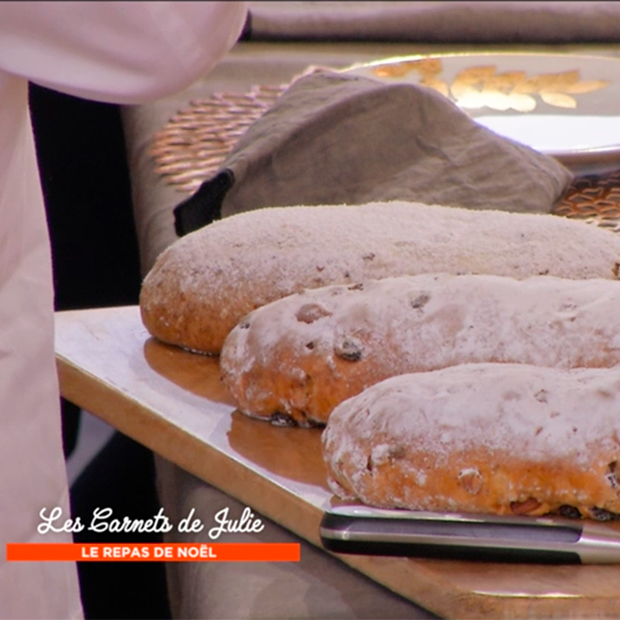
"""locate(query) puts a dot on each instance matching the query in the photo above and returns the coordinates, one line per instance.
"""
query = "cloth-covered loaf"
(495, 438)
(295, 359)
(204, 283)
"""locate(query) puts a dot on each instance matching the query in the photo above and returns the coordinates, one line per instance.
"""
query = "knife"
(555, 540)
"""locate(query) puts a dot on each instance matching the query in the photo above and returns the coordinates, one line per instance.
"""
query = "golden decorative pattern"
(191, 147)
(195, 141)
(482, 86)
(594, 199)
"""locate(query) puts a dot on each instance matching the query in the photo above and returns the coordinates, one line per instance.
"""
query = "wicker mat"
(195, 141)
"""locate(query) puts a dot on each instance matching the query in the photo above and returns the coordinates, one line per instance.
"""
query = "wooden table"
(172, 402)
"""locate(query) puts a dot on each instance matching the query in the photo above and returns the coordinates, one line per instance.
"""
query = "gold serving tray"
(564, 105)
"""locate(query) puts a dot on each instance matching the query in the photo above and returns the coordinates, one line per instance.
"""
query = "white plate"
(563, 105)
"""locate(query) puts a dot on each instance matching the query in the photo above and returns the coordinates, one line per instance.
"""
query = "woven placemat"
(194, 142)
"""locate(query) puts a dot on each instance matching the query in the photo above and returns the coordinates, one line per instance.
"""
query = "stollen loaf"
(494, 438)
(204, 283)
(295, 359)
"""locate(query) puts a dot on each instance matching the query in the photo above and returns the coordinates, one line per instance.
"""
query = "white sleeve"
(118, 52)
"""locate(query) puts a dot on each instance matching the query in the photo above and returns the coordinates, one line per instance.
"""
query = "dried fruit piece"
(309, 313)
(525, 507)
(471, 480)
(350, 349)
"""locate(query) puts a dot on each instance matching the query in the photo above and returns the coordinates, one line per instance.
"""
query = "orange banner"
(156, 552)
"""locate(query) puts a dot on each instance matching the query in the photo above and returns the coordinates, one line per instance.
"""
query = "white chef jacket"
(120, 52)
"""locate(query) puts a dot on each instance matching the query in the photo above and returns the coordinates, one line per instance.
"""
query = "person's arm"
(119, 52)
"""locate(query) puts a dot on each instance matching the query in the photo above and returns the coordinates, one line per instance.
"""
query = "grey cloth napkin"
(444, 22)
(334, 138)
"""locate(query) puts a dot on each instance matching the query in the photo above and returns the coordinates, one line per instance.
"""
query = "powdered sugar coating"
(518, 431)
(305, 353)
(203, 284)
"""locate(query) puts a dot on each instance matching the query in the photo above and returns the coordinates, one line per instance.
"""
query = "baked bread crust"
(495, 438)
(202, 285)
(297, 358)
